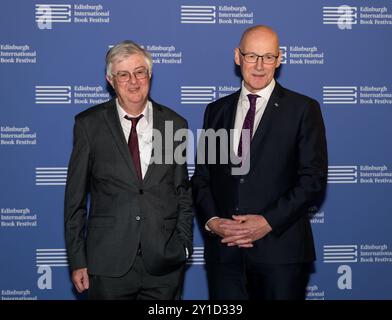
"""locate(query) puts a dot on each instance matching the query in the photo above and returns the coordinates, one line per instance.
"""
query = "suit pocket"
(169, 224)
(101, 222)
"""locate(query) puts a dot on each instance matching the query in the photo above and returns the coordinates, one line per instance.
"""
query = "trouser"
(137, 284)
(242, 281)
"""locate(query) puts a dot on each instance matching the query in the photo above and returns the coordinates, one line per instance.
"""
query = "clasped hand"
(240, 231)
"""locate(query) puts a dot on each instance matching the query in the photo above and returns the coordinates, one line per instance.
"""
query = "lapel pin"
(276, 104)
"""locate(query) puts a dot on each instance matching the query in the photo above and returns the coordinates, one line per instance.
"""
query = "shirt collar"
(265, 92)
(145, 112)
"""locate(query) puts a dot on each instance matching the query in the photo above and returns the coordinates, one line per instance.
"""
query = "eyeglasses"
(125, 76)
(253, 57)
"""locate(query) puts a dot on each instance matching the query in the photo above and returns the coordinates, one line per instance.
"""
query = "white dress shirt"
(144, 132)
(242, 109)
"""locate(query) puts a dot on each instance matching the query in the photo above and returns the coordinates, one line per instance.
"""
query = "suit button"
(141, 191)
(137, 218)
(242, 180)
(237, 209)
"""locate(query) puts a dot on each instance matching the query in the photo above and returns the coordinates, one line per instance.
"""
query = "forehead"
(130, 62)
(260, 42)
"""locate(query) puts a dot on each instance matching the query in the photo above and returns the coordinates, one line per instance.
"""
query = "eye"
(122, 74)
(269, 57)
(251, 56)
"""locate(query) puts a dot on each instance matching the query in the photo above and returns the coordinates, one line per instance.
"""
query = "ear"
(237, 56)
(110, 80)
(279, 61)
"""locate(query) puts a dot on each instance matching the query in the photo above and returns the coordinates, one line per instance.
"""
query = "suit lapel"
(158, 123)
(113, 122)
(228, 124)
(230, 111)
(266, 120)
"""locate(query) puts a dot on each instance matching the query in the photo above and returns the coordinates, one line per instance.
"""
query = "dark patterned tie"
(249, 121)
(133, 145)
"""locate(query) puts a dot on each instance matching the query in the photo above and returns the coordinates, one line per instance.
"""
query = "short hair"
(123, 50)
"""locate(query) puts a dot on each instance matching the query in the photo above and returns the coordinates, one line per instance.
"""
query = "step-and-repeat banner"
(52, 67)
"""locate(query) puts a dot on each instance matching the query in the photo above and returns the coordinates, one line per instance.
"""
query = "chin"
(258, 87)
(135, 99)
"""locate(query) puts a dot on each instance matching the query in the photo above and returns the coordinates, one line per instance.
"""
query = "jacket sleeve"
(202, 194)
(312, 172)
(184, 196)
(75, 202)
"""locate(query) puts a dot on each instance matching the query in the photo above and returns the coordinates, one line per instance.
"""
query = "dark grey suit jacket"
(123, 211)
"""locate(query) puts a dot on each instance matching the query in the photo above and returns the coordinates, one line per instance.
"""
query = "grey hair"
(123, 50)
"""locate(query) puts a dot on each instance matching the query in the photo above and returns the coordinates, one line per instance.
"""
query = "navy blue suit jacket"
(288, 174)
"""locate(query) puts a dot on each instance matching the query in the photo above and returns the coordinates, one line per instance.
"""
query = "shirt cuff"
(206, 227)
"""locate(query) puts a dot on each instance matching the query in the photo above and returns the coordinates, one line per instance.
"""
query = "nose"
(132, 78)
(259, 63)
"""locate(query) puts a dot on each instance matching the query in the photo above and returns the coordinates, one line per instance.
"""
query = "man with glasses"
(258, 239)
(133, 240)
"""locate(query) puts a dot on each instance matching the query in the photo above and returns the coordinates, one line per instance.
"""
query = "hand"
(80, 279)
(256, 226)
(229, 228)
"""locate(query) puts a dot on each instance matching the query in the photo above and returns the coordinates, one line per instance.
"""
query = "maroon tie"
(133, 145)
(249, 120)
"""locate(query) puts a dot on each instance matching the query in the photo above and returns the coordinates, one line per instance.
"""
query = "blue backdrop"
(52, 67)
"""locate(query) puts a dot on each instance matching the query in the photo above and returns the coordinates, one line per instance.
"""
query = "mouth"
(258, 75)
(133, 89)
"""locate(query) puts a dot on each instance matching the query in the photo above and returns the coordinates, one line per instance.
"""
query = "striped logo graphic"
(52, 94)
(52, 13)
(283, 50)
(198, 14)
(191, 170)
(53, 176)
(197, 94)
(197, 258)
(342, 174)
(340, 95)
(342, 15)
(51, 257)
(340, 253)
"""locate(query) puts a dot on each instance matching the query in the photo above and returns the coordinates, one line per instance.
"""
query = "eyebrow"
(141, 67)
(252, 52)
(133, 69)
(258, 54)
